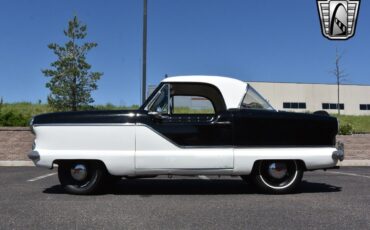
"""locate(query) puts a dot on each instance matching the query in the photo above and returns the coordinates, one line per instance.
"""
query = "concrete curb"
(16, 163)
(30, 163)
(355, 163)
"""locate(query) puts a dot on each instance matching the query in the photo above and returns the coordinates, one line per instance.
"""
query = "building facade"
(302, 97)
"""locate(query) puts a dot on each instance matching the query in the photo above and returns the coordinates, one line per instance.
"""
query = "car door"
(184, 132)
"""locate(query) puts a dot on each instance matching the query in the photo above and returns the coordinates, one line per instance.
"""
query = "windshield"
(253, 100)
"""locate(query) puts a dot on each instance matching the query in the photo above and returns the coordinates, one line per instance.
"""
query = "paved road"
(30, 198)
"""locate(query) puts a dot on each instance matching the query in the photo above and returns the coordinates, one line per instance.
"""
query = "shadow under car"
(193, 187)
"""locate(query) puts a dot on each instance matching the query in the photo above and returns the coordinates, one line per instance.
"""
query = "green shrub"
(14, 119)
(346, 129)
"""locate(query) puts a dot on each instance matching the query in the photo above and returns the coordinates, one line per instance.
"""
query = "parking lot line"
(41, 177)
(350, 174)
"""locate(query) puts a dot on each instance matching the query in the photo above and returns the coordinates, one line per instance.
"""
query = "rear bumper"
(34, 156)
(339, 153)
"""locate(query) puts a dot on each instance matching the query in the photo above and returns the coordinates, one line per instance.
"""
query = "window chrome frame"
(157, 93)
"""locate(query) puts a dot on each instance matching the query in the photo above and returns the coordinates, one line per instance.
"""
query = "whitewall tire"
(81, 177)
(277, 176)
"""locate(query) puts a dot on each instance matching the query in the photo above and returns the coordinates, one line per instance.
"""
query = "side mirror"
(159, 110)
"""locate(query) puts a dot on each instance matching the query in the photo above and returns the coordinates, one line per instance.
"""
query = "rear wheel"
(277, 176)
(81, 177)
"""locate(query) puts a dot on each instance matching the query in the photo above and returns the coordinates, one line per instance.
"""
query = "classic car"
(189, 125)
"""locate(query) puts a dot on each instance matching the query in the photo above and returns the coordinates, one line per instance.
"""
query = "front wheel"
(277, 176)
(81, 178)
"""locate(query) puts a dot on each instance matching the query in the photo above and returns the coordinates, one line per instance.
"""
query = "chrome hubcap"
(79, 172)
(277, 170)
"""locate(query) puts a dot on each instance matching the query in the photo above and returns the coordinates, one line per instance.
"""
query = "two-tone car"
(189, 125)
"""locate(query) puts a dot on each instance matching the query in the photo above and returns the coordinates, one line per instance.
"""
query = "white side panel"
(314, 158)
(114, 145)
(153, 151)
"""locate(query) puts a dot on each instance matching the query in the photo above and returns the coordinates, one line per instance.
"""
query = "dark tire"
(89, 183)
(277, 176)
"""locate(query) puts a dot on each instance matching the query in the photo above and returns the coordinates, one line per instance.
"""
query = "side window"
(252, 100)
(185, 98)
(294, 105)
(332, 106)
(191, 105)
(365, 107)
(160, 102)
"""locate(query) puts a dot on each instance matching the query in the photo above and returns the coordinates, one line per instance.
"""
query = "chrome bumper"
(34, 156)
(339, 153)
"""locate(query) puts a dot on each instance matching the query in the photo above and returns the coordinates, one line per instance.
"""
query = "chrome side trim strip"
(86, 124)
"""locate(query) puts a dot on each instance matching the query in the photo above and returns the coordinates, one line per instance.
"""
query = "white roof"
(232, 90)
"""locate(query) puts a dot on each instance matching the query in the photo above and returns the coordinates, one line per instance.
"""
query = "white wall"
(314, 95)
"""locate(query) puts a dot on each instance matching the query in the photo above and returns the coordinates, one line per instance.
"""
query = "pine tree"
(71, 81)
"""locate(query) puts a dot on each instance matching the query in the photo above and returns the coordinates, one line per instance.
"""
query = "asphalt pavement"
(31, 198)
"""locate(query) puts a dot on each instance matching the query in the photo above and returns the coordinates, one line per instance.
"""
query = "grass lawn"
(25, 108)
(360, 124)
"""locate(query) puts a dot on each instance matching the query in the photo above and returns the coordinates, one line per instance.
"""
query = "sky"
(252, 40)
